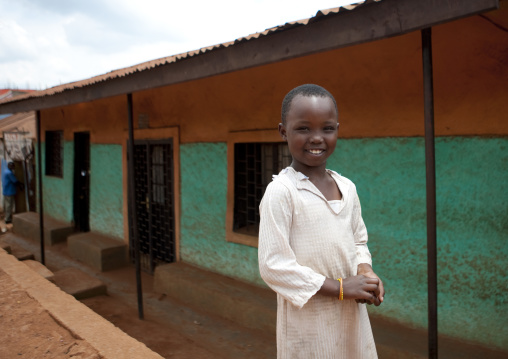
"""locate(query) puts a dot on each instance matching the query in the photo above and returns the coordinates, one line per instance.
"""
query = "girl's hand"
(366, 270)
(362, 289)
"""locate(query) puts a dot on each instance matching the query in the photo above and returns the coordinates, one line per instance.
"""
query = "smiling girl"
(313, 242)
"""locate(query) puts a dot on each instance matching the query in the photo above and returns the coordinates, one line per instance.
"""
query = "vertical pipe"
(428, 89)
(39, 173)
(132, 204)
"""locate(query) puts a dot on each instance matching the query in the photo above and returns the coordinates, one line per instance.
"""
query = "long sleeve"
(360, 232)
(277, 261)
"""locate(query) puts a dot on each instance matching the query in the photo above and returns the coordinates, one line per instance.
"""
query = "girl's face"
(311, 132)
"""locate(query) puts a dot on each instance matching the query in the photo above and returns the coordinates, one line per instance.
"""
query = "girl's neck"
(314, 173)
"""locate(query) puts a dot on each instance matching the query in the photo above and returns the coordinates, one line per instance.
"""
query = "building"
(206, 143)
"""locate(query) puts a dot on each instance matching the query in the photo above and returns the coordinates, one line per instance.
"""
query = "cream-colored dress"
(302, 240)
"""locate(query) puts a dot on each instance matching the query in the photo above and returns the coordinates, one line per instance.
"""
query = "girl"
(313, 241)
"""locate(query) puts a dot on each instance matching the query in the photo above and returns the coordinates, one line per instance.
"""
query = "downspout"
(430, 167)
(133, 218)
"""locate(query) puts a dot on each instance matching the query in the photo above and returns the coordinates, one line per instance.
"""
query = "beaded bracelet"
(341, 292)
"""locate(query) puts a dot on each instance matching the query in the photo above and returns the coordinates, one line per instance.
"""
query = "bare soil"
(28, 331)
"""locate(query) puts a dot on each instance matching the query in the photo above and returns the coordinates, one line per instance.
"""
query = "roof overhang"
(372, 21)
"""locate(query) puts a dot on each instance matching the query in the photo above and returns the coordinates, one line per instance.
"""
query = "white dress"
(302, 240)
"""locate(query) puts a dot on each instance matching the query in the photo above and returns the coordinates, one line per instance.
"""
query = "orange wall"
(378, 87)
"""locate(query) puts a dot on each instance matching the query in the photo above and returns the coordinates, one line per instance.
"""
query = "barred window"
(255, 163)
(54, 153)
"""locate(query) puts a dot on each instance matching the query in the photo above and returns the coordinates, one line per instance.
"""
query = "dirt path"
(159, 338)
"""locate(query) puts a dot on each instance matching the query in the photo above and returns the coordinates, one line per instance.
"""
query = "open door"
(81, 181)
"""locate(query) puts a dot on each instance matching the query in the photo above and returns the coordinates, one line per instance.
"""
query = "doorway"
(81, 207)
(154, 200)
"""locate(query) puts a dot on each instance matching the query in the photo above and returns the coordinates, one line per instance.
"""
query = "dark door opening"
(81, 181)
(154, 200)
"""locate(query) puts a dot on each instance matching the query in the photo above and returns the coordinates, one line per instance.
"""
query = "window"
(253, 158)
(54, 153)
(255, 163)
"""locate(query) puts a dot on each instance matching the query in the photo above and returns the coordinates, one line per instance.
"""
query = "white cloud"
(44, 43)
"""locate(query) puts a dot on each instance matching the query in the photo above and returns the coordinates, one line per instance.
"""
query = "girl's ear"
(282, 132)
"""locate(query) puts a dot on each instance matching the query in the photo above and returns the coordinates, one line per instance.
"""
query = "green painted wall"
(390, 177)
(106, 190)
(57, 192)
(204, 188)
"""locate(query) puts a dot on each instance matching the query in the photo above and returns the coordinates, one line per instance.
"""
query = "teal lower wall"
(106, 189)
(389, 173)
(472, 222)
(57, 191)
(203, 212)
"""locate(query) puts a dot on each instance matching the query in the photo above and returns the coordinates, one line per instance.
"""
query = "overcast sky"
(45, 43)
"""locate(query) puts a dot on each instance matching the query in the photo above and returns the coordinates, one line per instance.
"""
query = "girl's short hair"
(307, 90)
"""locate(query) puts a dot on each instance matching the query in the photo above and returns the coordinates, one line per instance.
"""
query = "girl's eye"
(302, 129)
(329, 129)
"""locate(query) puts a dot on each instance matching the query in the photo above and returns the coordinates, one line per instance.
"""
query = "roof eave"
(373, 21)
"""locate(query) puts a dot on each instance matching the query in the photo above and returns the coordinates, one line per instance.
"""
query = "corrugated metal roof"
(175, 58)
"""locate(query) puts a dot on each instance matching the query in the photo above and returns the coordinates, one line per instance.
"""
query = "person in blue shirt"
(9, 185)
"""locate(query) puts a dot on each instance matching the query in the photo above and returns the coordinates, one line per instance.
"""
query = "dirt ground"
(162, 340)
(169, 328)
(28, 331)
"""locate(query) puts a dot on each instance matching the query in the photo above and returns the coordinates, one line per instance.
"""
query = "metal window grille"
(255, 163)
(54, 153)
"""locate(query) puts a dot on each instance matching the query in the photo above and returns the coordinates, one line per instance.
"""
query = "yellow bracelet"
(341, 292)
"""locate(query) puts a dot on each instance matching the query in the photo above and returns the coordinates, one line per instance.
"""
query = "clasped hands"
(365, 287)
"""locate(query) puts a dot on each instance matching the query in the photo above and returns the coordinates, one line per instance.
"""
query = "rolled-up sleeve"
(277, 262)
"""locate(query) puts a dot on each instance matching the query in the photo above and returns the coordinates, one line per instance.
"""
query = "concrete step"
(244, 304)
(6, 247)
(98, 251)
(27, 225)
(40, 268)
(21, 254)
(79, 284)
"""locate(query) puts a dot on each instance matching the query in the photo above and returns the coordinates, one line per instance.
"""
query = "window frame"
(260, 136)
(50, 158)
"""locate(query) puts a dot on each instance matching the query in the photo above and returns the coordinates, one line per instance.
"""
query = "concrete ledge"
(81, 321)
(27, 225)
(21, 253)
(99, 252)
(6, 247)
(39, 268)
(79, 284)
(245, 304)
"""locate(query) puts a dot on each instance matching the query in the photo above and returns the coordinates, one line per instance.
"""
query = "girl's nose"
(316, 138)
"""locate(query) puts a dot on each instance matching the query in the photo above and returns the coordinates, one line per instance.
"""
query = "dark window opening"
(54, 153)
(255, 163)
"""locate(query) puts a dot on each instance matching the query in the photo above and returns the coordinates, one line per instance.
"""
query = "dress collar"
(302, 182)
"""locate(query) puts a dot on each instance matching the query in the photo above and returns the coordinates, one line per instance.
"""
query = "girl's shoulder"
(338, 177)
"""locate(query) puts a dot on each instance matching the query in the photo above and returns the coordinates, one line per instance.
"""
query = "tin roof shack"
(206, 143)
